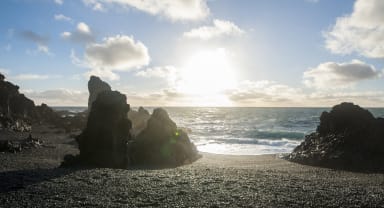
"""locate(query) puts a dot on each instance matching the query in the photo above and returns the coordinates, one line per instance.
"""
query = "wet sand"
(32, 179)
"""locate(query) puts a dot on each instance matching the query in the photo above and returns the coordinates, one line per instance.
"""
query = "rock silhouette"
(139, 120)
(95, 86)
(109, 140)
(103, 143)
(348, 137)
(16, 111)
(161, 143)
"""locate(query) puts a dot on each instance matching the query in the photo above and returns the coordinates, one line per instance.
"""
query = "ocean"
(245, 131)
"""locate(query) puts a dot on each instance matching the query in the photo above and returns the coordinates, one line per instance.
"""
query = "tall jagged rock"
(95, 86)
(347, 137)
(161, 143)
(103, 143)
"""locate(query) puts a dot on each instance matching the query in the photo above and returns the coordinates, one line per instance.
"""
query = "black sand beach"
(32, 178)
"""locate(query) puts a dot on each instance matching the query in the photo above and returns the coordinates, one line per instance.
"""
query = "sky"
(259, 53)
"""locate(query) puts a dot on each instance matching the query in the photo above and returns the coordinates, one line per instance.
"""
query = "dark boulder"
(345, 117)
(161, 143)
(95, 86)
(347, 137)
(103, 143)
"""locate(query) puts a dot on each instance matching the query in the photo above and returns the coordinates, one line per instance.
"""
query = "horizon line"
(171, 106)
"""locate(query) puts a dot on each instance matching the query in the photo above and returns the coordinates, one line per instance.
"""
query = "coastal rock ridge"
(348, 137)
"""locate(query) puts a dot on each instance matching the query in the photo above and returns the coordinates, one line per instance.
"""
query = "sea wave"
(248, 141)
(275, 134)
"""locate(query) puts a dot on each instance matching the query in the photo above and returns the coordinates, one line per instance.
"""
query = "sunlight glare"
(207, 73)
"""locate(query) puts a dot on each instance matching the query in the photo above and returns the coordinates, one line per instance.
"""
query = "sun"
(207, 73)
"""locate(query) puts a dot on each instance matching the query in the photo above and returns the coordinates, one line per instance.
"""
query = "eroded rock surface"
(348, 137)
(16, 110)
(103, 142)
(111, 139)
(161, 143)
(95, 86)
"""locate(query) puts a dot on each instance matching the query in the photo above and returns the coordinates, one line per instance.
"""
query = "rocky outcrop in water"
(103, 143)
(95, 86)
(161, 143)
(348, 137)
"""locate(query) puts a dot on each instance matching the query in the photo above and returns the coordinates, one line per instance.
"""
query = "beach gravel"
(32, 178)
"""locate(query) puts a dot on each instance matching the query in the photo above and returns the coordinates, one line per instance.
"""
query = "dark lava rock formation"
(109, 140)
(18, 113)
(161, 143)
(348, 137)
(96, 86)
(103, 143)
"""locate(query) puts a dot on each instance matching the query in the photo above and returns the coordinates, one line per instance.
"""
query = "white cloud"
(107, 74)
(66, 35)
(249, 93)
(61, 17)
(43, 49)
(361, 32)
(366, 98)
(23, 77)
(94, 4)
(82, 34)
(26, 77)
(83, 28)
(162, 97)
(172, 9)
(264, 93)
(60, 2)
(59, 97)
(118, 53)
(332, 75)
(218, 29)
(39, 49)
(169, 73)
